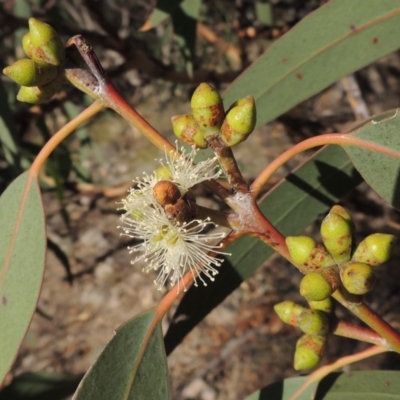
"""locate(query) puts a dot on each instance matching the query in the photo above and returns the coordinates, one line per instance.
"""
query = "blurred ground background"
(90, 287)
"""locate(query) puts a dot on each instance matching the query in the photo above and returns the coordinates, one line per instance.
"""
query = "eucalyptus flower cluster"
(160, 211)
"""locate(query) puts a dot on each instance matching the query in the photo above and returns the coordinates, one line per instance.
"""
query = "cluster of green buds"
(38, 75)
(209, 119)
(336, 264)
(314, 323)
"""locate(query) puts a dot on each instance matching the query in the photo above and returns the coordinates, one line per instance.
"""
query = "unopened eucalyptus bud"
(188, 131)
(163, 173)
(309, 351)
(337, 234)
(315, 287)
(46, 45)
(358, 278)
(313, 322)
(288, 311)
(339, 210)
(323, 305)
(26, 73)
(38, 94)
(166, 192)
(27, 44)
(375, 249)
(305, 251)
(239, 121)
(207, 109)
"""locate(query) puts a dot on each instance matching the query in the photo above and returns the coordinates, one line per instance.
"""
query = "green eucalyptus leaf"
(359, 385)
(381, 171)
(22, 258)
(132, 366)
(40, 386)
(184, 19)
(330, 43)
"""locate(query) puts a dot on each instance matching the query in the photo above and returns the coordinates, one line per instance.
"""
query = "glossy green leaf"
(40, 386)
(332, 42)
(22, 258)
(132, 366)
(360, 385)
(381, 171)
(291, 206)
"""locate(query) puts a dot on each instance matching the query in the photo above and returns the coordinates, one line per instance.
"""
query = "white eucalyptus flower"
(185, 174)
(169, 246)
(172, 249)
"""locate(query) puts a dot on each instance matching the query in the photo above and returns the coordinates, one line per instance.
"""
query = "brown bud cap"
(166, 192)
(307, 252)
(375, 249)
(207, 109)
(309, 351)
(313, 322)
(188, 131)
(358, 278)
(288, 311)
(184, 210)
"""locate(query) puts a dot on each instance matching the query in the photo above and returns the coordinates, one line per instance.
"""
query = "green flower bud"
(375, 249)
(239, 121)
(336, 234)
(309, 351)
(313, 322)
(188, 131)
(27, 44)
(26, 73)
(46, 44)
(207, 109)
(305, 251)
(315, 287)
(163, 172)
(38, 94)
(323, 305)
(358, 278)
(288, 311)
(339, 210)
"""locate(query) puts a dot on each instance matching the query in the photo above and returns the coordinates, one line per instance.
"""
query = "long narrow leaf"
(22, 257)
(332, 42)
(133, 365)
(361, 385)
(381, 171)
